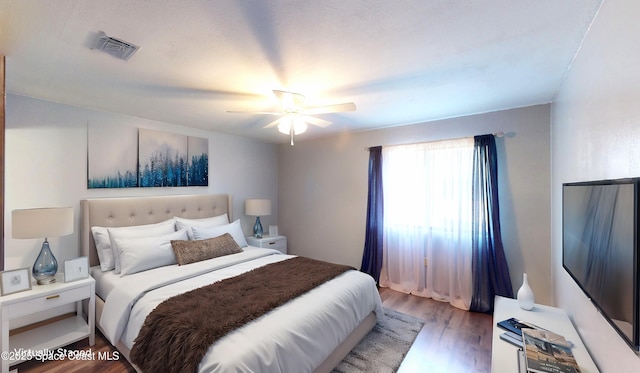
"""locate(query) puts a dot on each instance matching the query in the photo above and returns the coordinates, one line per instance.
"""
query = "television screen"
(600, 248)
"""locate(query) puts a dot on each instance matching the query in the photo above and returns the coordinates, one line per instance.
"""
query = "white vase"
(525, 294)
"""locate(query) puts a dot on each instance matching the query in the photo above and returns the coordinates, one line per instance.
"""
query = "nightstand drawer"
(278, 244)
(269, 242)
(48, 301)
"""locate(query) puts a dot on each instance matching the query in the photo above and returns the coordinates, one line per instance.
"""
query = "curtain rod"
(496, 134)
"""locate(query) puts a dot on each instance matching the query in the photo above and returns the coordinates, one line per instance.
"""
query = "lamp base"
(45, 266)
(257, 228)
(45, 281)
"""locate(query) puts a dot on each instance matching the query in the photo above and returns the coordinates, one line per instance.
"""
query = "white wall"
(46, 165)
(323, 189)
(596, 135)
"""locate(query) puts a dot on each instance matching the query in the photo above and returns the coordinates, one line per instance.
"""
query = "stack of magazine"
(541, 351)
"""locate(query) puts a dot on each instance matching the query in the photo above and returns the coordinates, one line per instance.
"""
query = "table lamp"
(257, 208)
(43, 223)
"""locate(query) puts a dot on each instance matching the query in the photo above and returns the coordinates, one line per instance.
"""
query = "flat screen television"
(600, 248)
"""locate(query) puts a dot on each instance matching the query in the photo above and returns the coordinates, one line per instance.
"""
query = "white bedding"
(315, 323)
(105, 281)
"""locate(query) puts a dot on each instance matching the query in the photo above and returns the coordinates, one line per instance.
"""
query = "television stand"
(504, 357)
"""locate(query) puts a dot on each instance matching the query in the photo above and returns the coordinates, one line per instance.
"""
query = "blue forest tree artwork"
(162, 170)
(112, 156)
(198, 167)
(127, 180)
(198, 174)
(172, 160)
(161, 160)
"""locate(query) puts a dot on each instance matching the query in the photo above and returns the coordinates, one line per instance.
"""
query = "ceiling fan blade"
(316, 121)
(337, 108)
(289, 100)
(274, 123)
(253, 112)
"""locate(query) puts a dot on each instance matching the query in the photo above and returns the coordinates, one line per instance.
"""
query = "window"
(427, 219)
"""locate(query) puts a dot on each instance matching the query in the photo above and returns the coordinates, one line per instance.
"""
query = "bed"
(311, 333)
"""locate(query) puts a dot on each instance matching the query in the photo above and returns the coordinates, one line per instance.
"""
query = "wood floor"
(451, 341)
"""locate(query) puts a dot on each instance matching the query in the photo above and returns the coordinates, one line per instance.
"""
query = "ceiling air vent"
(115, 47)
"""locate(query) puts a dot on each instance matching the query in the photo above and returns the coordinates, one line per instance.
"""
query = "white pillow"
(136, 231)
(234, 229)
(142, 253)
(103, 247)
(182, 223)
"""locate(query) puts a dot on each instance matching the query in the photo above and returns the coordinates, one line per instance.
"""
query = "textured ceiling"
(399, 61)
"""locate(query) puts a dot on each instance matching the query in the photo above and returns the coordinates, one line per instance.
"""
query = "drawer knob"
(53, 296)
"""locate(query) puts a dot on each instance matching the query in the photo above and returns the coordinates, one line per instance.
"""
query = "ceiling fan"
(295, 116)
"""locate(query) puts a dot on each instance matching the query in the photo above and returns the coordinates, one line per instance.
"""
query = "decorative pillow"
(182, 223)
(234, 229)
(197, 250)
(142, 253)
(137, 231)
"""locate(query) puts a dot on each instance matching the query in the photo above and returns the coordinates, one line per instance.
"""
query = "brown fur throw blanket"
(177, 333)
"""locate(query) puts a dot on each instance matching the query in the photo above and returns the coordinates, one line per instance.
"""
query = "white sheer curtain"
(427, 220)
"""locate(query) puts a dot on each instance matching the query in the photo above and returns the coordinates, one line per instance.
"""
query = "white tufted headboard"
(121, 212)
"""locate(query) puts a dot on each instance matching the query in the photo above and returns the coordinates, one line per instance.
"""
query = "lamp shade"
(257, 207)
(42, 222)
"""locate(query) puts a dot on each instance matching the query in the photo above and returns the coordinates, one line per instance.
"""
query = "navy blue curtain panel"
(489, 264)
(372, 256)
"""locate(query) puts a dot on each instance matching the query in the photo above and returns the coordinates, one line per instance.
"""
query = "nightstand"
(269, 242)
(47, 336)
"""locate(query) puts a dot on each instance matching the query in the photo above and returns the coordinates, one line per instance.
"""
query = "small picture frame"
(15, 281)
(76, 269)
(273, 230)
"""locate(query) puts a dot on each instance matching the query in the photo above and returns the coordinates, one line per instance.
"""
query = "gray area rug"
(384, 348)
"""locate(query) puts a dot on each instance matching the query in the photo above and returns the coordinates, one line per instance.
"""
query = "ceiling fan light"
(285, 126)
(299, 126)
